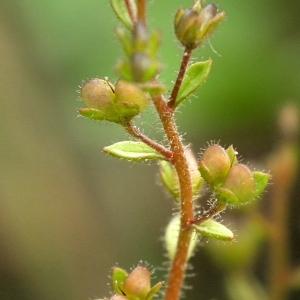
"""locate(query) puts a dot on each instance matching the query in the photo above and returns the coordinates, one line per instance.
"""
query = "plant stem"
(178, 268)
(134, 131)
(283, 170)
(184, 63)
(130, 11)
(141, 11)
(179, 160)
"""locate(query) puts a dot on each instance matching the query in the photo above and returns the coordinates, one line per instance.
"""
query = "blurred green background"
(68, 212)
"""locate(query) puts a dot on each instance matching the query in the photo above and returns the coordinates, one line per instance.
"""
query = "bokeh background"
(68, 212)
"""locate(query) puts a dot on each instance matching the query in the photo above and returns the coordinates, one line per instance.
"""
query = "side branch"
(184, 64)
(135, 132)
(283, 170)
(213, 211)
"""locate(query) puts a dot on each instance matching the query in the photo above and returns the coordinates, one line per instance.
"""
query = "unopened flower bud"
(144, 67)
(210, 20)
(193, 26)
(130, 100)
(97, 93)
(239, 187)
(215, 164)
(138, 282)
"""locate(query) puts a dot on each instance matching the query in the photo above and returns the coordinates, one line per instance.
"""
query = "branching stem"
(179, 160)
(135, 132)
(184, 64)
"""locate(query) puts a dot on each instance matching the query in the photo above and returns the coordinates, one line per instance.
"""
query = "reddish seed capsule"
(130, 100)
(241, 183)
(97, 93)
(215, 164)
(115, 104)
(138, 282)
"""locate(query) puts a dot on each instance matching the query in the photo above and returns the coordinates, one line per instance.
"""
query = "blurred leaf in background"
(69, 213)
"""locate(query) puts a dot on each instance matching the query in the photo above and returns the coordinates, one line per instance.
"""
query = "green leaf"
(133, 151)
(169, 178)
(232, 153)
(118, 279)
(154, 290)
(243, 287)
(153, 44)
(213, 229)
(194, 77)
(125, 40)
(124, 70)
(261, 181)
(171, 238)
(227, 196)
(121, 12)
(92, 113)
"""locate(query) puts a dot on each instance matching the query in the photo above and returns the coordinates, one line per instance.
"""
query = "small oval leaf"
(154, 290)
(213, 229)
(243, 287)
(194, 77)
(232, 153)
(121, 12)
(133, 151)
(261, 180)
(169, 178)
(171, 238)
(92, 113)
(118, 279)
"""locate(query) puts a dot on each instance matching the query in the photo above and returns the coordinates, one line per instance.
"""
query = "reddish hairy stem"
(134, 131)
(179, 160)
(184, 64)
(177, 272)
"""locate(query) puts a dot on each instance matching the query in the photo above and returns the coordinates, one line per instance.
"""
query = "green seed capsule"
(239, 187)
(130, 100)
